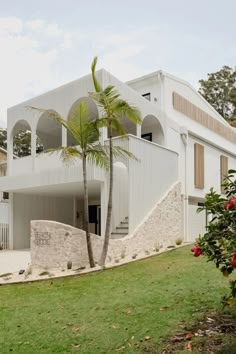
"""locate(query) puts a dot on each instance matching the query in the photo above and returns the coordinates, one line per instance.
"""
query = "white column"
(184, 137)
(33, 147)
(11, 220)
(138, 130)
(103, 208)
(64, 137)
(74, 212)
(103, 135)
(9, 153)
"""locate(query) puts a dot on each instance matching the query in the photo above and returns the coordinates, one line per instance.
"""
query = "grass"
(111, 311)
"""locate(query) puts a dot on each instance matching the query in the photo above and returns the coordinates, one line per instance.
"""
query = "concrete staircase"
(122, 229)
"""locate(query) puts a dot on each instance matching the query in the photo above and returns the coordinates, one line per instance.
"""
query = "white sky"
(46, 43)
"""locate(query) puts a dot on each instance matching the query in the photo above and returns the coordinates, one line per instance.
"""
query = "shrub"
(178, 241)
(218, 244)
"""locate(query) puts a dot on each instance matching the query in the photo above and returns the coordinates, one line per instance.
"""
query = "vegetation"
(135, 308)
(114, 109)
(219, 242)
(85, 134)
(21, 142)
(220, 91)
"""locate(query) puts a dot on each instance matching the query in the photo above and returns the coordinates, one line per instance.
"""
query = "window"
(147, 96)
(198, 166)
(223, 170)
(147, 136)
(5, 195)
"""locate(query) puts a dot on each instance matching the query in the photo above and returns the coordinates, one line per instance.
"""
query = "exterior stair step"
(122, 229)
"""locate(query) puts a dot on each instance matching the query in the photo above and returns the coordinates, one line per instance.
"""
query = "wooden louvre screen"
(198, 166)
(223, 170)
(192, 111)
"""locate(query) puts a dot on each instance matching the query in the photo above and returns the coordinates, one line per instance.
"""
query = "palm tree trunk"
(109, 206)
(86, 216)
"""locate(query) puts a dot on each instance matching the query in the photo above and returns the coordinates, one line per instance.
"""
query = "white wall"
(4, 210)
(211, 167)
(150, 178)
(29, 207)
(184, 89)
(146, 85)
(197, 223)
(120, 195)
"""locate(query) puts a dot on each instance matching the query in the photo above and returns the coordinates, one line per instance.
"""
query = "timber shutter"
(198, 166)
(223, 170)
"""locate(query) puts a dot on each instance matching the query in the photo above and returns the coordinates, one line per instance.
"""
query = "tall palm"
(113, 110)
(85, 134)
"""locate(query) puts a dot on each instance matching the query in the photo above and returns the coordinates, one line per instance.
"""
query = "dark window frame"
(147, 96)
(147, 136)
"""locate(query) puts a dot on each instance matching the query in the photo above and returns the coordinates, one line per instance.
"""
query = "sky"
(47, 43)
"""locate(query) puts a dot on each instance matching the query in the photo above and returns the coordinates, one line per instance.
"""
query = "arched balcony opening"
(74, 112)
(128, 126)
(151, 130)
(49, 132)
(20, 139)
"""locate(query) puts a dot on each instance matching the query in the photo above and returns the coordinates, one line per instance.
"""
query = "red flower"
(197, 251)
(231, 204)
(234, 260)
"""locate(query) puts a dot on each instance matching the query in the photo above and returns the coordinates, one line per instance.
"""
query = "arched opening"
(129, 127)
(151, 130)
(120, 210)
(21, 138)
(49, 132)
(92, 114)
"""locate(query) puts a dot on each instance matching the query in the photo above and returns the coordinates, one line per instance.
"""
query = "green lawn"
(109, 311)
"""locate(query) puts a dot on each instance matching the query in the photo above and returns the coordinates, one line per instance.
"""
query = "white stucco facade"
(50, 190)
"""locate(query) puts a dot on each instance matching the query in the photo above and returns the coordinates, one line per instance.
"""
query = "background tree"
(220, 91)
(21, 142)
(85, 134)
(114, 109)
(3, 138)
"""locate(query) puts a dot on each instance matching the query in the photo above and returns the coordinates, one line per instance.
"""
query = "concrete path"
(13, 261)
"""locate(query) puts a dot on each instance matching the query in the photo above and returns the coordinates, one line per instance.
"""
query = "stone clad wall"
(54, 244)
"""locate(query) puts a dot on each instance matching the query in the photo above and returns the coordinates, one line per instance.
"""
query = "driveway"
(13, 261)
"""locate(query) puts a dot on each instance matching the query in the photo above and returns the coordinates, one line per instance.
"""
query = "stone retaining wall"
(54, 244)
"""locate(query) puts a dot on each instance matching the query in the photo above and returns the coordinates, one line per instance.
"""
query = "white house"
(182, 141)
(4, 238)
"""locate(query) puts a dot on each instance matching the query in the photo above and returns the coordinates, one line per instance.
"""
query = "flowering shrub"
(218, 244)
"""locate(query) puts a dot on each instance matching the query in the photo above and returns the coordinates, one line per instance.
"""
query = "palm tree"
(85, 134)
(113, 110)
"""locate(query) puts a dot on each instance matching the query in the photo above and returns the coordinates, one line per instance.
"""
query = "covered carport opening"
(62, 203)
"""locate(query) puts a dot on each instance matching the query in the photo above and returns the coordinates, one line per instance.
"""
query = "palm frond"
(119, 152)
(96, 84)
(98, 154)
(68, 153)
(125, 109)
(118, 127)
(87, 131)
